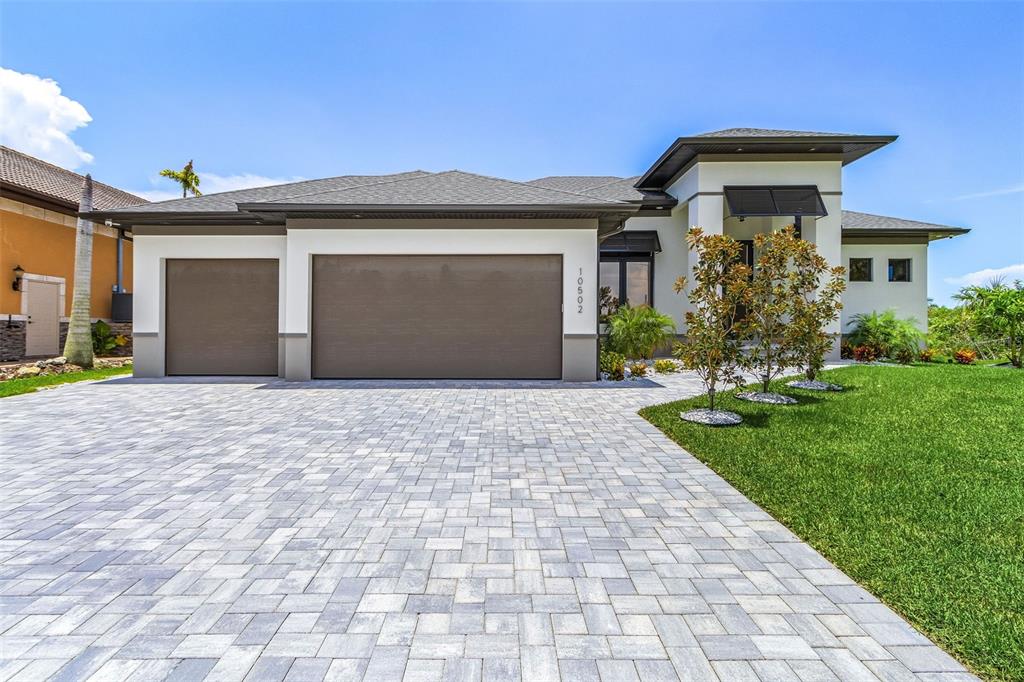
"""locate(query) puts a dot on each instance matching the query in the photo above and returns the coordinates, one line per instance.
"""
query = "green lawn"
(30, 384)
(911, 481)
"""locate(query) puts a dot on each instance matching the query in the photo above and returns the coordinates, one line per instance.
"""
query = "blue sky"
(274, 90)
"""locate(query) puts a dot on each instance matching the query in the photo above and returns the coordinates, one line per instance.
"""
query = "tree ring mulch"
(770, 398)
(711, 417)
(814, 385)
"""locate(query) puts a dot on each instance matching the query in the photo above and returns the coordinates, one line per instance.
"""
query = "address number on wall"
(579, 293)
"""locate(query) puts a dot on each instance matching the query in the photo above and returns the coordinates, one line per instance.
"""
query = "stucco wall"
(908, 299)
(671, 263)
(575, 241)
(41, 246)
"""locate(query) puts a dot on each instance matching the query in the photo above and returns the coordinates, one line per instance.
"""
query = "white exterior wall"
(908, 299)
(151, 251)
(700, 192)
(574, 240)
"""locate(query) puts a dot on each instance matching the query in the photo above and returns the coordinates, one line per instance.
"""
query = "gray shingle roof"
(597, 186)
(854, 220)
(452, 187)
(57, 184)
(228, 201)
(767, 132)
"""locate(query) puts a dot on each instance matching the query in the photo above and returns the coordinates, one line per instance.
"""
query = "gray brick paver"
(232, 530)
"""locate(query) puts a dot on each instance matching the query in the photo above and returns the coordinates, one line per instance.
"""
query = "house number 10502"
(579, 293)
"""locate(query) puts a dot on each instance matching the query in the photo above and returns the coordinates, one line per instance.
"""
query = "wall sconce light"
(18, 274)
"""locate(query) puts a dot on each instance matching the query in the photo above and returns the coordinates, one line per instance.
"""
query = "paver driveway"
(243, 531)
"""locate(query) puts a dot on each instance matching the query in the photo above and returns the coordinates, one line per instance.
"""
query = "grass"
(911, 481)
(31, 384)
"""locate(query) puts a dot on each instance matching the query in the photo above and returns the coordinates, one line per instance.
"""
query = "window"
(627, 279)
(860, 269)
(899, 269)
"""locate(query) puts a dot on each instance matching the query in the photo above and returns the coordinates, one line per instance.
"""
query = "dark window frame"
(910, 270)
(623, 258)
(871, 269)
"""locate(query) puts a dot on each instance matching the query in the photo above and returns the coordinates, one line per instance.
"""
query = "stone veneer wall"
(12, 339)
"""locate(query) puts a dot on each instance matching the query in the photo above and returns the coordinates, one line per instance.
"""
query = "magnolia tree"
(717, 289)
(770, 305)
(815, 290)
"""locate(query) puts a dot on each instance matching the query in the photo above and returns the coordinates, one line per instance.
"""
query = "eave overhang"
(867, 234)
(685, 150)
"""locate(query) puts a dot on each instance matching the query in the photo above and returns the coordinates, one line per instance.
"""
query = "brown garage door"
(437, 317)
(222, 317)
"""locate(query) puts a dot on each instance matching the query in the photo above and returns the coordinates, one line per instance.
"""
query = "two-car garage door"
(437, 317)
(396, 317)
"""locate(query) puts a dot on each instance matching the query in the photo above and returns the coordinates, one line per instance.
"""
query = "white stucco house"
(456, 275)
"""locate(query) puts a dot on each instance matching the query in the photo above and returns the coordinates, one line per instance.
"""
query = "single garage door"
(437, 317)
(221, 317)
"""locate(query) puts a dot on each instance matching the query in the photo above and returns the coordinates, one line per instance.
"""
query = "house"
(38, 226)
(456, 275)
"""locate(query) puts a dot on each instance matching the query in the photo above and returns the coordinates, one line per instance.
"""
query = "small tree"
(186, 177)
(997, 312)
(770, 306)
(815, 290)
(719, 286)
(78, 344)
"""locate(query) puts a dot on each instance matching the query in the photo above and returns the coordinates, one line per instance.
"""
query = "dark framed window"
(860, 269)
(628, 279)
(899, 269)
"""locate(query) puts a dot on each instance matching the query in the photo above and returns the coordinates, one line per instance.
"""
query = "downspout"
(119, 289)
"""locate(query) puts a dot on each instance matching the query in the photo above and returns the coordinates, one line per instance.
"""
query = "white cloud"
(37, 119)
(1016, 189)
(983, 277)
(210, 183)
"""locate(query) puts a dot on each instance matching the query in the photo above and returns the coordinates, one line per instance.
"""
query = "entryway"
(42, 308)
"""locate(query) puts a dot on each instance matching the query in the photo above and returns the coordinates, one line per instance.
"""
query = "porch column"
(705, 211)
(826, 233)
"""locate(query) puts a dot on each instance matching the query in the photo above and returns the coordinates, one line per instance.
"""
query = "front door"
(42, 336)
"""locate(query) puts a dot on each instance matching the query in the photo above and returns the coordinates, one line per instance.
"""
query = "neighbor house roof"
(30, 178)
(756, 141)
(868, 225)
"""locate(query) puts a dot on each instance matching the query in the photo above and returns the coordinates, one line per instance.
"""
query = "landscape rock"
(711, 417)
(814, 385)
(29, 371)
(770, 398)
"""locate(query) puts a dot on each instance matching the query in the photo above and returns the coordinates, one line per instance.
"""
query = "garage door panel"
(222, 317)
(437, 316)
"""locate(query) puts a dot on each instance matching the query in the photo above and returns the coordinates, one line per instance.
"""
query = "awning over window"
(632, 241)
(775, 200)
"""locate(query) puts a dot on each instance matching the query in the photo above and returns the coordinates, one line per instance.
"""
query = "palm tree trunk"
(78, 346)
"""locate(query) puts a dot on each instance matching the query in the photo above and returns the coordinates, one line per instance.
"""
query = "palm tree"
(186, 177)
(78, 345)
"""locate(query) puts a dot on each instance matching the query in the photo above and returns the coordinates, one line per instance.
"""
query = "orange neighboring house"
(38, 215)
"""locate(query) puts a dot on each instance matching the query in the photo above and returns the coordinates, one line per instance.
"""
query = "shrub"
(713, 333)
(613, 364)
(845, 350)
(865, 353)
(888, 335)
(965, 356)
(638, 369)
(926, 355)
(904, 356)
(638, 332)
(997, 312)
(103, 341)
(665, 366)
